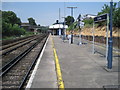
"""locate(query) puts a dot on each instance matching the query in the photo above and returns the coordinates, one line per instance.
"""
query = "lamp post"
(110, 47)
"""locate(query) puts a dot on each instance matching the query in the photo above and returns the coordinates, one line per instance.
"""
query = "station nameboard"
(100, 18)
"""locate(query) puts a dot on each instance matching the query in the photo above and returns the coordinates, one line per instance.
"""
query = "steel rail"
(14, 43)
(4, 53)
(32, 65)
(13, 62)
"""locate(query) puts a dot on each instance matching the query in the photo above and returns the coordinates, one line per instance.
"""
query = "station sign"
(101, 18)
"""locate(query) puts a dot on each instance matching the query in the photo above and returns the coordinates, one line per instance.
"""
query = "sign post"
(93, 32)
(107, 36)
(99, 19)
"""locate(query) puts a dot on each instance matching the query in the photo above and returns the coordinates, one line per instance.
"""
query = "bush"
(9, 30)
(17, 31)
(88, 21)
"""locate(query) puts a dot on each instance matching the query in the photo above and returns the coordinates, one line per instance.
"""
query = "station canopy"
(58, 26)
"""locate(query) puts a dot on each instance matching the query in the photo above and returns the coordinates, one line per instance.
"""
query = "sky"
(46, 13)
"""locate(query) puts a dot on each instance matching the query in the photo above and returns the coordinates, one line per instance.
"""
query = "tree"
(106, 9)
(10, 24)
(116, 18)
(31, 21)
(10, 17)
(69, 20)
(116, 15)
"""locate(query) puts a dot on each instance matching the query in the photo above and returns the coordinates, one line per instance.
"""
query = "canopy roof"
(57, 26)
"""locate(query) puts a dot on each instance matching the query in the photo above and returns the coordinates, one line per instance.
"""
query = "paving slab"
(81, 68)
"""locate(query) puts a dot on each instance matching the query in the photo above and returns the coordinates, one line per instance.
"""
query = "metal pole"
(80, 38)
(79, 23)
(107, 36)
(59, 23)
(72, 12)
(59, 14)
(93, 37)
(64, 20)
(110, 47)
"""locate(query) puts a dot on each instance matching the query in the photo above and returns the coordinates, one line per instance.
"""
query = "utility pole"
(110, 47)
(59, 14)
(72, 10)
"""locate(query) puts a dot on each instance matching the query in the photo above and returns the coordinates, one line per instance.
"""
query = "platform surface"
(80, 67)
(45, 76)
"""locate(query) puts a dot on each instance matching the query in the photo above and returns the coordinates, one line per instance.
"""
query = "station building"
(58, 28)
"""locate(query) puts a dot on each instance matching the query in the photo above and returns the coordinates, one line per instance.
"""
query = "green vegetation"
(106, 9)
(116, 18)
(31, 21)
(89, 22)
(11, 25)
(43, 29)
(116, 14)
(69, 20)
(9, 30)
(72, 26)
(10, 17)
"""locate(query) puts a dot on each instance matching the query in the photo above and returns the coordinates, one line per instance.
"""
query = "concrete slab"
(82, 69)
(45, 76)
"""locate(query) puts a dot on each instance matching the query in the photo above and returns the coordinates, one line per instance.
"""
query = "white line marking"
(36, 66)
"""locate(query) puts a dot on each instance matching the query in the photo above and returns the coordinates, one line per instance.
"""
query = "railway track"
(12, 46)
(13, 52)
(15, 73)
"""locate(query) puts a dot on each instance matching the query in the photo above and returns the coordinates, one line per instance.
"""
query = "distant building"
(58, 28)
(88, 16)
(28, 27)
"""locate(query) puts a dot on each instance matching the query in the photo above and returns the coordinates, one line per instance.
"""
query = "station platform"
(80, 68)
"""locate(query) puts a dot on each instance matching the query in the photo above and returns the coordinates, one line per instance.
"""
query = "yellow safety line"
(58, 70)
